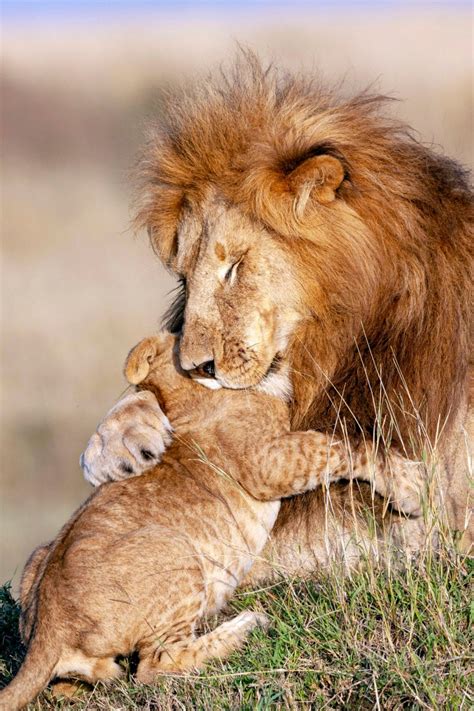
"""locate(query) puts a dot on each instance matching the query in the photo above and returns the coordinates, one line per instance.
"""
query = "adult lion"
(320, 232)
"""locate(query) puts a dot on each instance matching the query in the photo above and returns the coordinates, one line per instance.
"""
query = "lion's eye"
(232, 272)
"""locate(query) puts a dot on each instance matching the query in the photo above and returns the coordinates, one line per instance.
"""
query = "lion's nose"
(208, 368)
(195, 349)
(205, 370)
(205, 366)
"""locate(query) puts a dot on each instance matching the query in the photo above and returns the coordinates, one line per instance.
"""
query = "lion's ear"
(137, 365)
(316, 177)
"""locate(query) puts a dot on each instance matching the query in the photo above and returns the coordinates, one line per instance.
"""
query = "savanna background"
(78, 83)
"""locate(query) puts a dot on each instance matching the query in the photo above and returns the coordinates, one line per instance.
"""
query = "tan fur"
(142, 561)
(348, 254)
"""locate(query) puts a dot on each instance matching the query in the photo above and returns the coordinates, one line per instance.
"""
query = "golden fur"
(347, 251)
(142, 561)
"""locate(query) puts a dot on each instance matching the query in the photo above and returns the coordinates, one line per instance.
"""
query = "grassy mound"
(378, 639)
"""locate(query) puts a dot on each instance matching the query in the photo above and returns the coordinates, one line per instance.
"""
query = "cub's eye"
(231, 273)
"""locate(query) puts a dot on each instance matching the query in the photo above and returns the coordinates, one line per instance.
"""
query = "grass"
(383, 639)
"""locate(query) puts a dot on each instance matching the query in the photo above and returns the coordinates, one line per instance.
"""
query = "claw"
(147, 455)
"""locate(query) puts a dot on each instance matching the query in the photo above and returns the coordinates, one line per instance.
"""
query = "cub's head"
(153, 364)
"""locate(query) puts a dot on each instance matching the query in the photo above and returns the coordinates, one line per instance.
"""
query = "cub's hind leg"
(30, 573)
(191, 653)
(76, 664)
(29, 579)
(76, 673)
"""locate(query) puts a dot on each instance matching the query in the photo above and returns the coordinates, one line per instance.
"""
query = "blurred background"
(78, 81)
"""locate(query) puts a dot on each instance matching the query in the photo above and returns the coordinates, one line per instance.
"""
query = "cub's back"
(132, 540)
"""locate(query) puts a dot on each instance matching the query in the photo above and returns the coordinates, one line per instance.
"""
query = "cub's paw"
(405, 484)
(249, 620)
(69, 689)
(128, 442)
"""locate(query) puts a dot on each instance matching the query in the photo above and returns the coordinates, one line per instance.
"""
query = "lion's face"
(247, 193)
(242, 299)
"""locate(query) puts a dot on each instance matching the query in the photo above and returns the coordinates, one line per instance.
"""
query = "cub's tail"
(34, 674)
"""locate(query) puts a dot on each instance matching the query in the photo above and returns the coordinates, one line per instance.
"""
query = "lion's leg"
(342, 523)
(458, 482)
(341, 526)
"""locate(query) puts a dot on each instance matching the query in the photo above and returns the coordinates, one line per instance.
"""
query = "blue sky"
(48, 8)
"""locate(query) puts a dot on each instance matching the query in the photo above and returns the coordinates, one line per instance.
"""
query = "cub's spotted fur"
(143, 560)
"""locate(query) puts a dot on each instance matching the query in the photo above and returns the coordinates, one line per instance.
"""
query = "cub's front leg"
(300, 461)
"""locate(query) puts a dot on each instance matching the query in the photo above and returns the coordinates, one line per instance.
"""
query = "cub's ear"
(316, 177)
(140, 358)
(137, 365)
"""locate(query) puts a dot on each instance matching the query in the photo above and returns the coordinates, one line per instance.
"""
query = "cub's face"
(241, 296)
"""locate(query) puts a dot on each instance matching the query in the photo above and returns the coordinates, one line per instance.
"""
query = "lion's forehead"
(212, 233)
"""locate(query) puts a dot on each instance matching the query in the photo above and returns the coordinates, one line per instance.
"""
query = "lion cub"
(143, 560)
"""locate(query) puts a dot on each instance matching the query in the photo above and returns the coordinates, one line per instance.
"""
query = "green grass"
(379, 639)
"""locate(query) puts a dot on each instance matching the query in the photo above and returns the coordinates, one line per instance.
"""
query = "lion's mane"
(387, 266)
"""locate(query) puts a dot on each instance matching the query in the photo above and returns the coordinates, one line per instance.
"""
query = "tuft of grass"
(11, 648)
(380, 638)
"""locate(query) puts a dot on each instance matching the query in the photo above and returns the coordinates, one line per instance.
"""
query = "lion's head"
(237, 316)
(302, 227)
